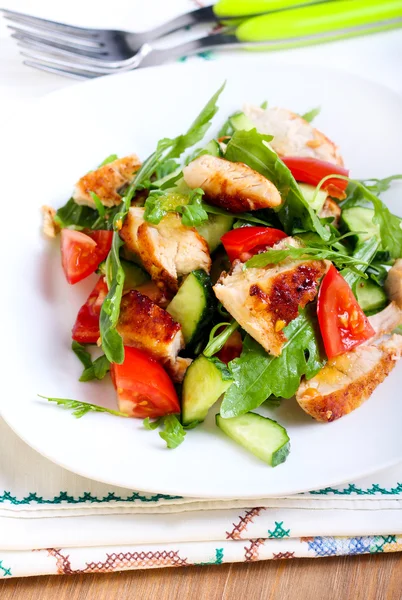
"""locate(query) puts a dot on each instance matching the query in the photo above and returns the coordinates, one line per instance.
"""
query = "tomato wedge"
(244, 242)
(231, 349)
(343, 324)
(312, 170)
(86, 326)
(144, 389)
(81, 252)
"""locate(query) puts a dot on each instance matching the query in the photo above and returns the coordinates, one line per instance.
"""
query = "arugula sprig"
(389, 224)
(216, 342)
(257, 375)
(173, 432)
(79, 409)
(96, 369)
(166, 149)
(272, 257)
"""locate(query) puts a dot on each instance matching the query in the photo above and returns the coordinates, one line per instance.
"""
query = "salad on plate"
(247, 269)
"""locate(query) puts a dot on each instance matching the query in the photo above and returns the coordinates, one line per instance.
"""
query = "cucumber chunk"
(205, 381)
(240, 122)
(134, 276)
(359, 220)
(193, 306)
(214, 228)
(308, 192)
(370, 296)
(263, 437)
(213, 148)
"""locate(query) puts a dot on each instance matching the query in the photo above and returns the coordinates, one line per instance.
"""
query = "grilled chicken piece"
(232, 186)
(348, 380)
(393, 283)
(265, 300)
(144, 325)
(106, 181)
(49, 228)
(293, 136)
(168, 250)
(331, 209)
(385, 321)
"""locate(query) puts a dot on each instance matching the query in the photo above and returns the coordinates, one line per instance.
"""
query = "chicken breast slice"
(144, 325)
(232, 186)
(393, 283)
(168, 250)
(106, 182)
(293, 136)
(265, 300)
(348, 380)
(331, 209)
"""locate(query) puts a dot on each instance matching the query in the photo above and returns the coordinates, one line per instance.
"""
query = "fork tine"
(84, 58)
(81, 59)
(61, 64)
(64, 41)
(74, 74)
(51, 47)
(48, 25)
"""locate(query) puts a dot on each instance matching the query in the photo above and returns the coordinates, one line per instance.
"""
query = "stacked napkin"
(52, 521)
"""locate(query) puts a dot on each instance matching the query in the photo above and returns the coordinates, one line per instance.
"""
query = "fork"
(306, 24)
(105, 45)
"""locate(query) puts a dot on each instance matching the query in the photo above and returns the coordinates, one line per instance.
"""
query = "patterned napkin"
(52, 521)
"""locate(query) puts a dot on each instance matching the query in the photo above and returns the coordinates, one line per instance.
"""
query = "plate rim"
(189, 66)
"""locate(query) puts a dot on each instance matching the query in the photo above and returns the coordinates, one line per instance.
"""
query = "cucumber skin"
(187, 407)
(207, 314)
(277, 457)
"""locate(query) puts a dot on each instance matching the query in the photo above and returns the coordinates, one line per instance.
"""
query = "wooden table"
(374, 577)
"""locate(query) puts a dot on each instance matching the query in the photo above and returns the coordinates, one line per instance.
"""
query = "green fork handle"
(318, 21)
(247, 8)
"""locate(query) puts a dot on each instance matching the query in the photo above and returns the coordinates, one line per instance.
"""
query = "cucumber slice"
(262, 436)
(214, 228)
(359, 220)
(240, 122)
(213, 148)
(193, 306)
(134, 276)
(308, 192)
(205, 381)
(370, 296)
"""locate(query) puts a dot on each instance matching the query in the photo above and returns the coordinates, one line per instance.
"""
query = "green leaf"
(81, 408)
(166, 168)
(82, 354)
(264, 105)
(250, 147)
(377, 186)
(389, 224)
(273, 257)
(193, 213)
(198, 128)
(108, 159)
(99, 206)
(246, 217)
(173, 433)
(364, 252)
(151, 425)
(80, 217)
(257, 374)
(216, 342)
(311, 114)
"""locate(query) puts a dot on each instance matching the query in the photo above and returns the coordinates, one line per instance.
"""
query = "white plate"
(67, 134)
